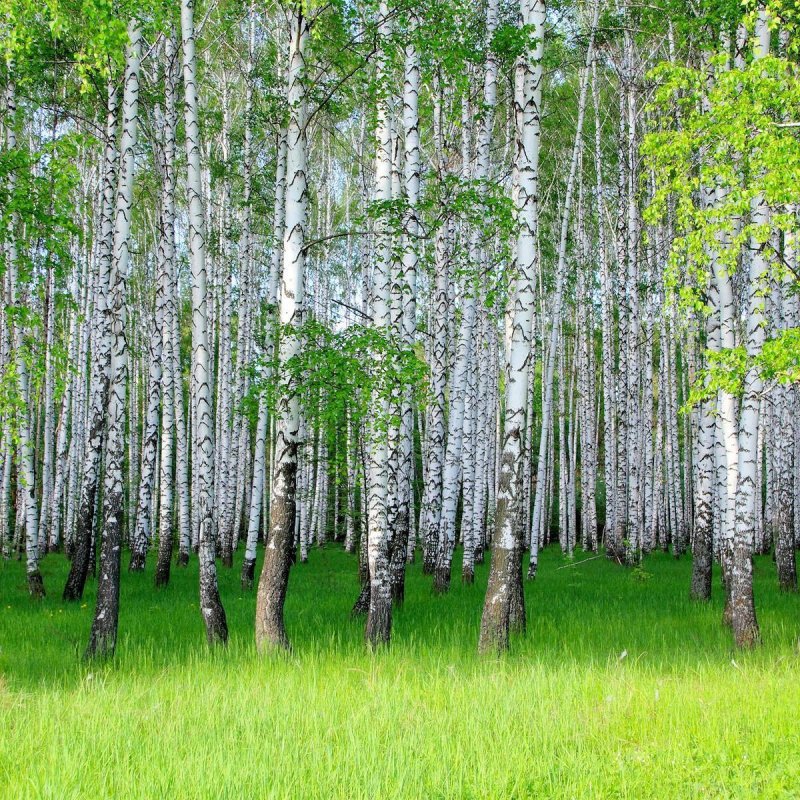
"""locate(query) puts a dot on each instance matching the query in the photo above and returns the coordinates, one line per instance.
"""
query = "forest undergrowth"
(621, 687)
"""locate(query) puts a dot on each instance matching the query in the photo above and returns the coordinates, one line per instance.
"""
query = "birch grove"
(424, 282)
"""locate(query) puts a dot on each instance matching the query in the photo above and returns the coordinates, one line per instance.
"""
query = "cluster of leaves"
(778, 362)
(736, 144)
(89, 35)
(338, 372)
(720, 147)
(786, 13)
(724, 371)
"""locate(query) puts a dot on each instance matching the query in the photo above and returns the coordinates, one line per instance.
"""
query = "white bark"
(504, 605)
(210, 604)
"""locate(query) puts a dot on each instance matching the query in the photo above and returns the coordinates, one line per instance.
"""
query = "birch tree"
(270, 629)
(504, 605)
(210, 604)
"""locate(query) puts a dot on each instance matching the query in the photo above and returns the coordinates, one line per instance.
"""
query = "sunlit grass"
(622, 687)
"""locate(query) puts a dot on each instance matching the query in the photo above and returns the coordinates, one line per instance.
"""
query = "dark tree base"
(36, 585)
(361, 606)
(101, 647)
(494, 634)
(633, 559)
(747, 635)
(700, 591)
(516, 607)
(78, 570)
(699, 595)
(137, 562)
(379, 622)
(248, 573)
(441, 580)
(786, 566)
(163, 572)
(72, 591)
(216, 626)
(727, 614)
(701, 575)
(504, 607)
(183, 559)
(399, 590)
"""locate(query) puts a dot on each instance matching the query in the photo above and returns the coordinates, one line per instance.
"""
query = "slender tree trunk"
(379, 616)
(210, 604)
(101, 357)
(166, 252)
(504, 604)
(553, 343)
(26, 479)
(103, 636)
(270, 629)
(156, 384)
(408, 288)
(743, 614)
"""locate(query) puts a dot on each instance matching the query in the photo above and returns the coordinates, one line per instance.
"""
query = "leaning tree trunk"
(270, 629)
(101, 356)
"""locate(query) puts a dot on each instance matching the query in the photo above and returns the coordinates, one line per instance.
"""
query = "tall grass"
(622, 687)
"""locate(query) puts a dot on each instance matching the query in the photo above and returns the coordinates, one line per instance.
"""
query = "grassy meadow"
(622, 688)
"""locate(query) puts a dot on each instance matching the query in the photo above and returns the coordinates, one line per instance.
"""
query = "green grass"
(563, 715)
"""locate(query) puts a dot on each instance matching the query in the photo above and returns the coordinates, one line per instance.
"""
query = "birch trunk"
(210, 604)
(26, 479)
(504, 604)
(743, 615)
(379, 616)
(101, 360)
(166, 253)
(270, 629)
(103, 636)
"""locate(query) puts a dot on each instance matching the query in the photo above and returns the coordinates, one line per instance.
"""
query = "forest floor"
(621, 688)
